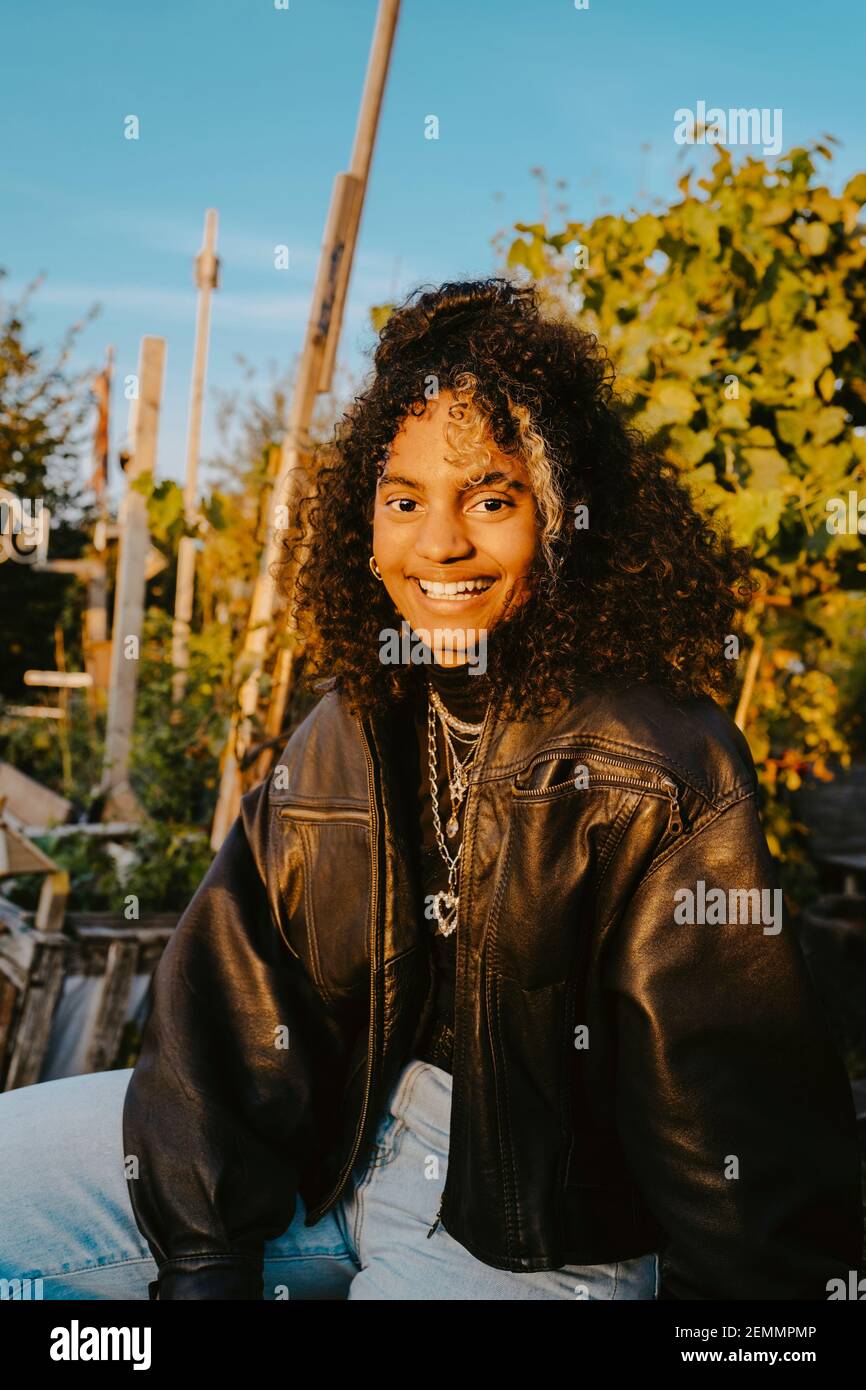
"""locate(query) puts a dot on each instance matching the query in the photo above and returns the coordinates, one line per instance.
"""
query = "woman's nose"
(441, 537)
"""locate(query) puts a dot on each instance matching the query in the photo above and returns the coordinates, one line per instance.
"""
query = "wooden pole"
(96, 612)
(206, 278)
(314, 375)
(63, 701)
(749, 683)
(121, 802)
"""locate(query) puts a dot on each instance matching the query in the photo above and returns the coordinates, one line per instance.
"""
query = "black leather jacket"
(622, 1084)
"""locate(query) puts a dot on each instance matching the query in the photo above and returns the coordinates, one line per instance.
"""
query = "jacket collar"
(694, 740)
(508, 745)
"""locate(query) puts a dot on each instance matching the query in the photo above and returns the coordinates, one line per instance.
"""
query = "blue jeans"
(66, 1219)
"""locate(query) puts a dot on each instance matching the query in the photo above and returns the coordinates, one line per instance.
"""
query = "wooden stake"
(96, 613)
(107, 1026)
(121, 803)
(206, 277)
(314, 375)
(63, 701)
(749, 683)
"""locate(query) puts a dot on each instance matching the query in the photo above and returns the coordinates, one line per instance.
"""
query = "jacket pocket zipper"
(676, 818)
(313, 813)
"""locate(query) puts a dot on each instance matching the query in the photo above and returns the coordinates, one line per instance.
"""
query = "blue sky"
(251, 110)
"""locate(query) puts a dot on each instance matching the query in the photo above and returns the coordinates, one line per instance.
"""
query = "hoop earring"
(374, 567)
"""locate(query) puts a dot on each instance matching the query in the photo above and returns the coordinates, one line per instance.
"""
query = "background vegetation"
(735, 318)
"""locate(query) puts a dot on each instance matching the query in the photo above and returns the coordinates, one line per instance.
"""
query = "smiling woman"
(433, 1025)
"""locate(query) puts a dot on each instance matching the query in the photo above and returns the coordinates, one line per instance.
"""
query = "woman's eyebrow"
(400, 480)
(496, 476)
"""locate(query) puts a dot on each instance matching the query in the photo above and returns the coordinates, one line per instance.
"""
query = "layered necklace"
(461, 748)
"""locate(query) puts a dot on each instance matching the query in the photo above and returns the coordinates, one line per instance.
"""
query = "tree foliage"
(736, 320)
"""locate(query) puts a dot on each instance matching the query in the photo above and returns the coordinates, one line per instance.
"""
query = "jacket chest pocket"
(326, 894)
(545, 887)
(566, 813)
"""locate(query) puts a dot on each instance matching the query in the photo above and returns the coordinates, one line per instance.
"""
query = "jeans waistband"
(421, 1098)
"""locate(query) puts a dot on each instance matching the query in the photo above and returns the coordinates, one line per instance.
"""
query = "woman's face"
(453, 557)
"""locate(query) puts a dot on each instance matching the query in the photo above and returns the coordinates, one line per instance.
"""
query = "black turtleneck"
(465, 695)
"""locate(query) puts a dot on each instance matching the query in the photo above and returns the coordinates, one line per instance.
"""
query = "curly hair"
(647, 591)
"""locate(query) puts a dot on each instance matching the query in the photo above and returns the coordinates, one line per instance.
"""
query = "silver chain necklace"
(445, 903)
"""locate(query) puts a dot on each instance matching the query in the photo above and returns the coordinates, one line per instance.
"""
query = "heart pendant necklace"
(446, 903)
(445, 908)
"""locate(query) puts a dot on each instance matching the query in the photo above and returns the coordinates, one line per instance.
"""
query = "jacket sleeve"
(733, 1106)
(216, 1119)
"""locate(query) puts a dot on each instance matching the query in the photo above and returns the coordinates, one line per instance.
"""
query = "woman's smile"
(445, 596)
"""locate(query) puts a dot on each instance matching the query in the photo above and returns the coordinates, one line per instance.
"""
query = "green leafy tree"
(174, 765)
(736, 319)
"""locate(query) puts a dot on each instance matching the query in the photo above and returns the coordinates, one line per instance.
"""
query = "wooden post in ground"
(121, 803)
(314, 376)
(63, 701)
(745, 699)
(206, 278)
(96, 612)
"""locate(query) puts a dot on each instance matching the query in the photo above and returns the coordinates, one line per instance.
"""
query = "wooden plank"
(122, 926)
(108, 830)
(53, 898)
(37, 1015)
(35, 711)
(19, 856)
(28, 800)
(313, 376)
(207, 277)
(108, 1024)
(34, 965)
(18, 942)
(58, 680)
(88, 958)
(121, 802)
(8, 1005)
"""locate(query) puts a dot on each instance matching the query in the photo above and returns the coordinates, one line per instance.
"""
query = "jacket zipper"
(438, 1214)
(323, 1207)
(457, 1002)
(676, 817)
(458, 997)
(675, 824)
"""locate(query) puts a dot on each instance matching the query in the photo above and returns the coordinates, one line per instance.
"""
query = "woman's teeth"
(458, 589)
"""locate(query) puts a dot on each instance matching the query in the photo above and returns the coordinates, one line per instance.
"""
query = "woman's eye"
(491, 505)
